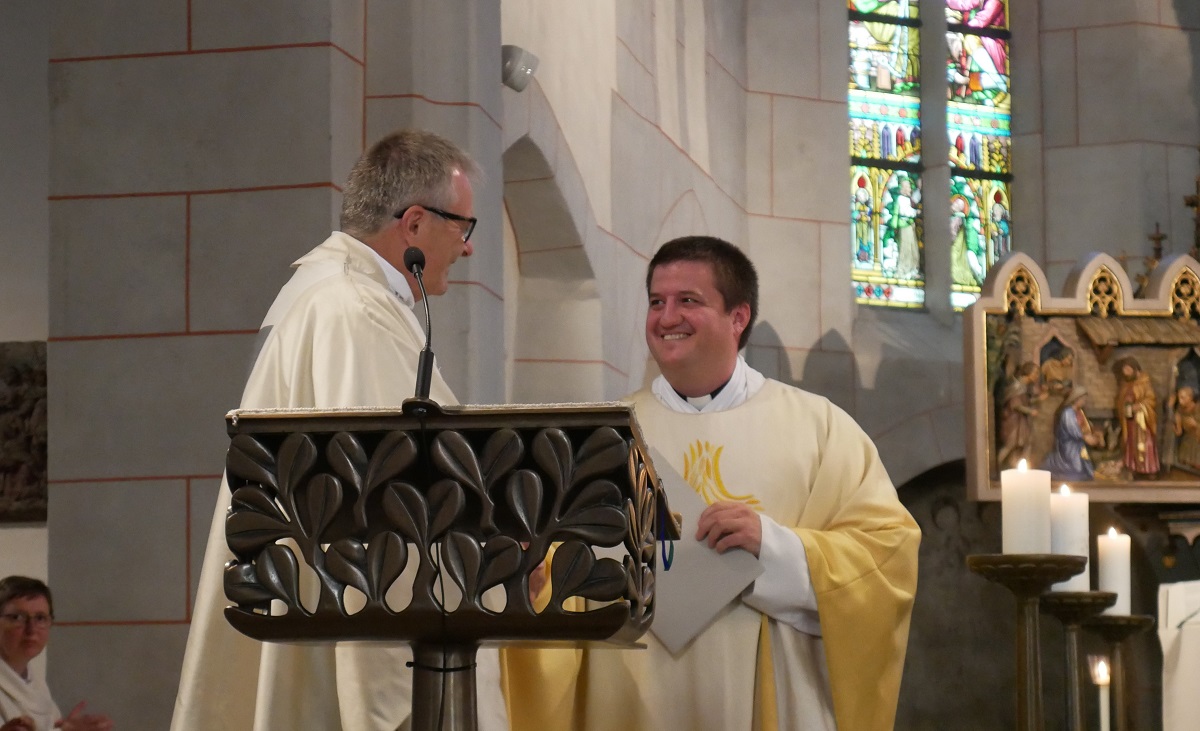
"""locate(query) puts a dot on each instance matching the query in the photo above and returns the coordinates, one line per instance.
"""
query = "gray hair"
(406, 168)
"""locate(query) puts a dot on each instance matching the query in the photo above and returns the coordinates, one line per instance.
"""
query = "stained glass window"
(885, 153)
(978, 122)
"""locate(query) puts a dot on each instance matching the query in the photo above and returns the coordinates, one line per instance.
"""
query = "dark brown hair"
(733, 272)
(23, 587)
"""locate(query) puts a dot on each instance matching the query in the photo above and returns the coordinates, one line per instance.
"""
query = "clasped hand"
(727, 525)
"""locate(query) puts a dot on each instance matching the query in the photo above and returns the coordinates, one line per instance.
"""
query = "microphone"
(414, 261)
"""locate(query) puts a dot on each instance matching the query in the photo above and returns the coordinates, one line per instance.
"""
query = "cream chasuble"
(806, 464)
(20, 698)
(337, 336)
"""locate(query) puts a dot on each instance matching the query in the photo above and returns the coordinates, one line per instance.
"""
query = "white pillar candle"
(1102, 680)
(1025, 510)
(1112, 560)
(1069, 533)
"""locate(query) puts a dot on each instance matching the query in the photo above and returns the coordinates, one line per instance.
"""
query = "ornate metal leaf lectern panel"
(425, 525)
(1100, 386)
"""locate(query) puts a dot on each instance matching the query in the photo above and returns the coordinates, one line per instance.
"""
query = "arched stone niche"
(557, 344)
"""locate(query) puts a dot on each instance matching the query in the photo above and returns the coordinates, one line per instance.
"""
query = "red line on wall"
(717, 62)
(529, 180)
(1121, 24)
(438, 102)
(842, 40)
(774, 217)
(671, 210)
(122, 623)
(1045, 200)
(145, 336)
(481, 285)
(770, 158)
(139, 478)
(516, 234)
(1110, 143)
(347, 54)
(636, 60)
(555, 249)
(187, 262)
(1075, 72)
(626, 244)
(187, 550)
(738, 204)
(571, 361)
(214, 191)
(200, 51)
(821, 280)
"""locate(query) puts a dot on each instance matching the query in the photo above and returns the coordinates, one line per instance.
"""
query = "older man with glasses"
(341, 334)
(26, 613)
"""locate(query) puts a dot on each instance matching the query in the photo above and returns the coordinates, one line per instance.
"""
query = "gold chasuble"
(805, 463)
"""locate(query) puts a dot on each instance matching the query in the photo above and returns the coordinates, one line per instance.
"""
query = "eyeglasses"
(38, 621)
(469, 220)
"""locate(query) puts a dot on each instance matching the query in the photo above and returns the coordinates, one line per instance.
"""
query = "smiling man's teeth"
(675, 336)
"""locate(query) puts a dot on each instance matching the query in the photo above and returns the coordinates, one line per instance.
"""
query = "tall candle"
(1025, 510)
(1102, 681)
(1069, 533)
(1112, 560)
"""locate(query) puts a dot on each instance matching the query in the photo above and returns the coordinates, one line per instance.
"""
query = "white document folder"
(1179, 632)
(700, 582)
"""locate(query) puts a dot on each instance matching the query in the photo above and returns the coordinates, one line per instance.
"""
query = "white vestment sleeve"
(784, 591)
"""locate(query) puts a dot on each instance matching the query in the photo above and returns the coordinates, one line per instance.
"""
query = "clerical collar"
(741, 386)
(396, 281)
(701, 401)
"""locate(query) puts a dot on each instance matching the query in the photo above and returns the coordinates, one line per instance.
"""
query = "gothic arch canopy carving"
(1099, 384)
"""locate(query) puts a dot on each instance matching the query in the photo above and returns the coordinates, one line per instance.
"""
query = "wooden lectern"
(404, 520)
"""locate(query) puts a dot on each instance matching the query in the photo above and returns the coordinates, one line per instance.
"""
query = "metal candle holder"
(1072, 608)
(1027, 576)
(1115, 629)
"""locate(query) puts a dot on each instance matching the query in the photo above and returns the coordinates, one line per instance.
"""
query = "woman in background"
(26, 613)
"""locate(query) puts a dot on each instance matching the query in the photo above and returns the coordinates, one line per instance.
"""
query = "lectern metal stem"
(444, 688)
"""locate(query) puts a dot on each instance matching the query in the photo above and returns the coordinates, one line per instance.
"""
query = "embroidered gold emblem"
(702, 470)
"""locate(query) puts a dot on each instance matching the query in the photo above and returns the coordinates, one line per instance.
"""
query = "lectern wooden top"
(425, 495)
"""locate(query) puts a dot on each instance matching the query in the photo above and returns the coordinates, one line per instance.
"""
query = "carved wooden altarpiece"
(1098, 385)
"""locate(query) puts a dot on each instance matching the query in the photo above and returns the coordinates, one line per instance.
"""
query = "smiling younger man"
(341, 334)
(818, 640)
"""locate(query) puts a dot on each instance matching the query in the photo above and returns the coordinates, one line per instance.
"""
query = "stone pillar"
(1119, 128)
(436, 64)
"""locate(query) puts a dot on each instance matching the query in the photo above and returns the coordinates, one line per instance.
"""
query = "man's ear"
(411, 220)
(741, 318)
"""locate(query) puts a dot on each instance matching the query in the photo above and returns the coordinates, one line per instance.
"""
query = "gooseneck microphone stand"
(414, 261)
